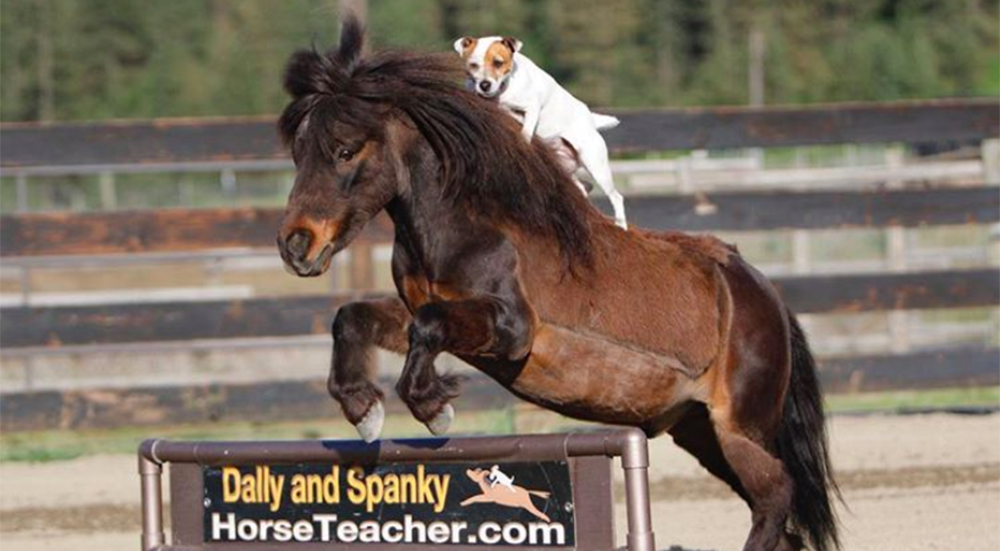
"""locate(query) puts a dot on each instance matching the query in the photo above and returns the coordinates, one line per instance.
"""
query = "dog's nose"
(484, 85)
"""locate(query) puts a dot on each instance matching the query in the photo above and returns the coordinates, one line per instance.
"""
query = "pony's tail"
(802, 447)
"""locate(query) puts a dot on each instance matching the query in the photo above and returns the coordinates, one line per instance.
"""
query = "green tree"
(94, 59)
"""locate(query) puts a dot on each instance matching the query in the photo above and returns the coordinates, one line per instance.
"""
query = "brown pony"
(499, 260)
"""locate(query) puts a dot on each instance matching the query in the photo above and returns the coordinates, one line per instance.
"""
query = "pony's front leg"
(357, 329)
(470, 327)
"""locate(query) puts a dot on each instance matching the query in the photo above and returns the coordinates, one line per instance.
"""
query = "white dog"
(497, 69)
(497, 476)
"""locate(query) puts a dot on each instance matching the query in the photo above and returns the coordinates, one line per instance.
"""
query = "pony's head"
(345, 172)
(353, 127)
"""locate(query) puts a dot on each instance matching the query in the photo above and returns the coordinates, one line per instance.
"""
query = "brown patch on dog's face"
(499, 60)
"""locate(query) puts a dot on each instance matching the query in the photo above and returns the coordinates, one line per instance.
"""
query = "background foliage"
(97, 59)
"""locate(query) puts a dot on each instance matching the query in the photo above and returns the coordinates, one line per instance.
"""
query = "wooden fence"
(35, 149)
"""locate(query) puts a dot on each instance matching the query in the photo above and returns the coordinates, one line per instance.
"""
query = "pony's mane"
(486, 165)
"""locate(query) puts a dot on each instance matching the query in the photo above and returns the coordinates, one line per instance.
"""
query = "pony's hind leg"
(357, 329)
(767, 486)
(749, 469)
(694, 433)
(745, 407)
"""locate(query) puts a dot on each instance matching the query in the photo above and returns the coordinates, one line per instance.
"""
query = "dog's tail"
(604, 122)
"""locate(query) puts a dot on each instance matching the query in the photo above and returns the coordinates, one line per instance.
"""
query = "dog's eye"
(473, 66)
(344, 154)
(498, 63)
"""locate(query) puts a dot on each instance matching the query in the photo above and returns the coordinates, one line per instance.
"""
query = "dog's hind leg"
(569, 161)
(594, 158)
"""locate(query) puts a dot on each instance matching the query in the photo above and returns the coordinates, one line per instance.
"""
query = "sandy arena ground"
(927, 482)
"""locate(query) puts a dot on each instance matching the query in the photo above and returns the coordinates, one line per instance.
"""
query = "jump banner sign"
(519, 492)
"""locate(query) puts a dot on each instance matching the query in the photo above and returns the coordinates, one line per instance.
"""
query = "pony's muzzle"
(299, 253)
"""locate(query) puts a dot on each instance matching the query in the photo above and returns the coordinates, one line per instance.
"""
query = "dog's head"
(488, 61)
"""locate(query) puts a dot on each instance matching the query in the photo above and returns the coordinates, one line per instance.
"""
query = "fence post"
(29, 374)
(800, 252)
(152, 499)
(227, 180)
(22, 192)
(898, 320)
(685, 182)
(635, 462)
(362, 270)
(29, 364)
(991, 161)
(109, 199)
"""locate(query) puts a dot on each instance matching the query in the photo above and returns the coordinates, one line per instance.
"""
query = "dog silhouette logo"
(497, 487)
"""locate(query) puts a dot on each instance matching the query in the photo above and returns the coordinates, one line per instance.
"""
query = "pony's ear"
(464, 43)
(352, 41)
(512, 43)
(305, 73)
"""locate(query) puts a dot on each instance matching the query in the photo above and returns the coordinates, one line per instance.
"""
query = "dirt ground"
(922, 482)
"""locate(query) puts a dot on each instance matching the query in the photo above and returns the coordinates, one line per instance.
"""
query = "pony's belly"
(592, 378)
(644, 293)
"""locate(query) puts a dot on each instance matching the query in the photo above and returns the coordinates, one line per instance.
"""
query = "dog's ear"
(512, 43)
(464, 43)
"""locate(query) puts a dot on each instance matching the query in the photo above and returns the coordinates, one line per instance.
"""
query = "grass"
(58, 445)
(914, 399)
(31, 454)
(41, 446)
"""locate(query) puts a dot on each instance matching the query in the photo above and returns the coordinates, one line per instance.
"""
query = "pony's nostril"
(298, 243)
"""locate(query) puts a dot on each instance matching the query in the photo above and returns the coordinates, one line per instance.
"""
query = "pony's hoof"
(442, 421)
(370, 426)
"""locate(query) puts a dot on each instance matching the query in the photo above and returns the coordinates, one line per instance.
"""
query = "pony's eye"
(344, 154)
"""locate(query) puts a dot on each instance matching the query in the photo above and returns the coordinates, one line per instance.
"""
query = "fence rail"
(254, 139)
(40, 234)
(55, 327)
(293, 400)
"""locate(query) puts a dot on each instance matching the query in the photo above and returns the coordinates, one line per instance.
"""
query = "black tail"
(802, 447)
